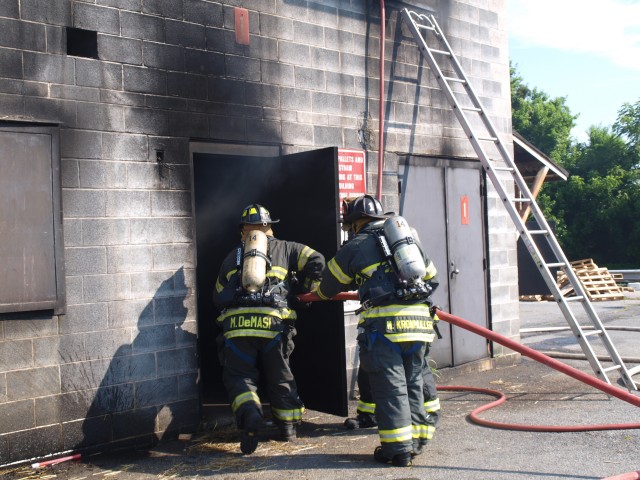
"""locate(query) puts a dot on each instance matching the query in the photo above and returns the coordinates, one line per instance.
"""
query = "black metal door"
(302, 191)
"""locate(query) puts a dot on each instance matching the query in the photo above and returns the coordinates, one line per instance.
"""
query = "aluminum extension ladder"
(425, 26)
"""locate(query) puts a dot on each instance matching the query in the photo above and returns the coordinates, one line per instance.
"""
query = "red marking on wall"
(242, 25)
(464, 210)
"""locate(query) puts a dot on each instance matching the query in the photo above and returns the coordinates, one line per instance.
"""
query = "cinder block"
(134, 423)
(94, 73)
(308, 33)
(166, 57)
(106, 288)
(131, 313)
(39, 442)
(294, 99)
(123, 203)
(225, 128)
(83, 203)
(339, 83)
(147, 176)
(144, 27)
(84, 318)
(170, 204)
(206, 63)
(152, 285)
(49, 68)
(204, 13)
(325, 103)
(124, 147)
(102, 174)
(173, 257)
(227, 90)
(242, 67)
(180, 417)
(51, 110)
(85, 260)
(163, 8)
(309, 78)
(154, 338)
(273, 26)
(121, 50)
(22, 35)
(186, 34)
(178, 361)
(180, 177)
(151, 230)
(32, 383)
(49, 351)
(17, 416)
(145, 80)
(262, 130)
(186, 85)
(96, 18)
(297, 133)
(73, 92)
(290, 52)
(327, 136)
(108, 343)
(16, 355)
(12, 105)
(159, 391)
(72, 232)
(182, 230)
(188, 386)
(176, 150)
(105, 231)
(9, 8)
(42, 11)
(11, 61)
(215, 38)
(132, 258)
(144, 120)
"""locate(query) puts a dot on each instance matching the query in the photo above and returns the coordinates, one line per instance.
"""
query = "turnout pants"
(240, 357)
(395, 375)
(429, 392)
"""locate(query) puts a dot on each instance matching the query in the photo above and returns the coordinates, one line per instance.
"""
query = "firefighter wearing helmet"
(255, 292)
(386, 264)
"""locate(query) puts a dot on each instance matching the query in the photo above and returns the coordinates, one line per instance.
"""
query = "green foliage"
(595, 212)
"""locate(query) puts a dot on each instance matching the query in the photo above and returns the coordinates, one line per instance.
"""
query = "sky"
(587, 51)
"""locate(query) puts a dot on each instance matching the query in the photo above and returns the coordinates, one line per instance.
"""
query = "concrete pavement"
(461, 449)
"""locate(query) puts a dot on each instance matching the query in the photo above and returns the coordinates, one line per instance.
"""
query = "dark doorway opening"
(302, 191)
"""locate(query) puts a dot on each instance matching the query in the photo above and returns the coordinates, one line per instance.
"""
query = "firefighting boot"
(398, 460)
(362, 420)
(251, 423)
(287, 432)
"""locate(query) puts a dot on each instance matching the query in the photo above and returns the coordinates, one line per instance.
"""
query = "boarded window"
(30, 219)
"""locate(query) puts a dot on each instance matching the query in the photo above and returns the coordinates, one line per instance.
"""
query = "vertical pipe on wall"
(381, 114)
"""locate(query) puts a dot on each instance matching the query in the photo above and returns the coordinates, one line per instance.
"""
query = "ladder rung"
(609, 369)
(578, 298)
(471, 109)
(441, 52)
(539, 232)
(426, 27)
(634, 370)
(453, 79)
(558, 264)
(521, 200)
(488, 139)
(504, 169)
(592, 333)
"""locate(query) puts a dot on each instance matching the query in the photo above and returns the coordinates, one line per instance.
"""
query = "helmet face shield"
(256, 214)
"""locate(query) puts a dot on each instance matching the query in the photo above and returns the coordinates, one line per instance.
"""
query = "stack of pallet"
(597, 282)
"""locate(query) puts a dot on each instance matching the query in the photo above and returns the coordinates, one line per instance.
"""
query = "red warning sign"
(351, 173)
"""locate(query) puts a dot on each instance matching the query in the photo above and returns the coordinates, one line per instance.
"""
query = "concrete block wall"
(120, 366)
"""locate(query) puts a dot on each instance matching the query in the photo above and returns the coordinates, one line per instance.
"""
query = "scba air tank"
(406, 253)
(254, 261)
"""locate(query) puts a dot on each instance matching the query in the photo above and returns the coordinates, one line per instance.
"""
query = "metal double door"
(443, 201)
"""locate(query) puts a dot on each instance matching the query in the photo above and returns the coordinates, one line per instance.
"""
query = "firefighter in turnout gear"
(392, 275)
(255, 292)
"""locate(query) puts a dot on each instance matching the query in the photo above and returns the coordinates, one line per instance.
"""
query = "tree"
(595, 211)
(545, 122)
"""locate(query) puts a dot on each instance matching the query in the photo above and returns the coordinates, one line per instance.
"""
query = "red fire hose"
(529, 352)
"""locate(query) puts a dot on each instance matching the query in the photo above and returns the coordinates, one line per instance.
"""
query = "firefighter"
(395, 324)
(256, 293)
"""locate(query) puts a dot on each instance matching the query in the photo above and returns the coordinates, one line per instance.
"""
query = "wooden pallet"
(597, 282)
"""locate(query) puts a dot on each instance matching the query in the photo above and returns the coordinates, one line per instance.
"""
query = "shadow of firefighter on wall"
(149, 388)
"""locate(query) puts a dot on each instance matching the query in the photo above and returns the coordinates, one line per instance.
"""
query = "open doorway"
(302, 191)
